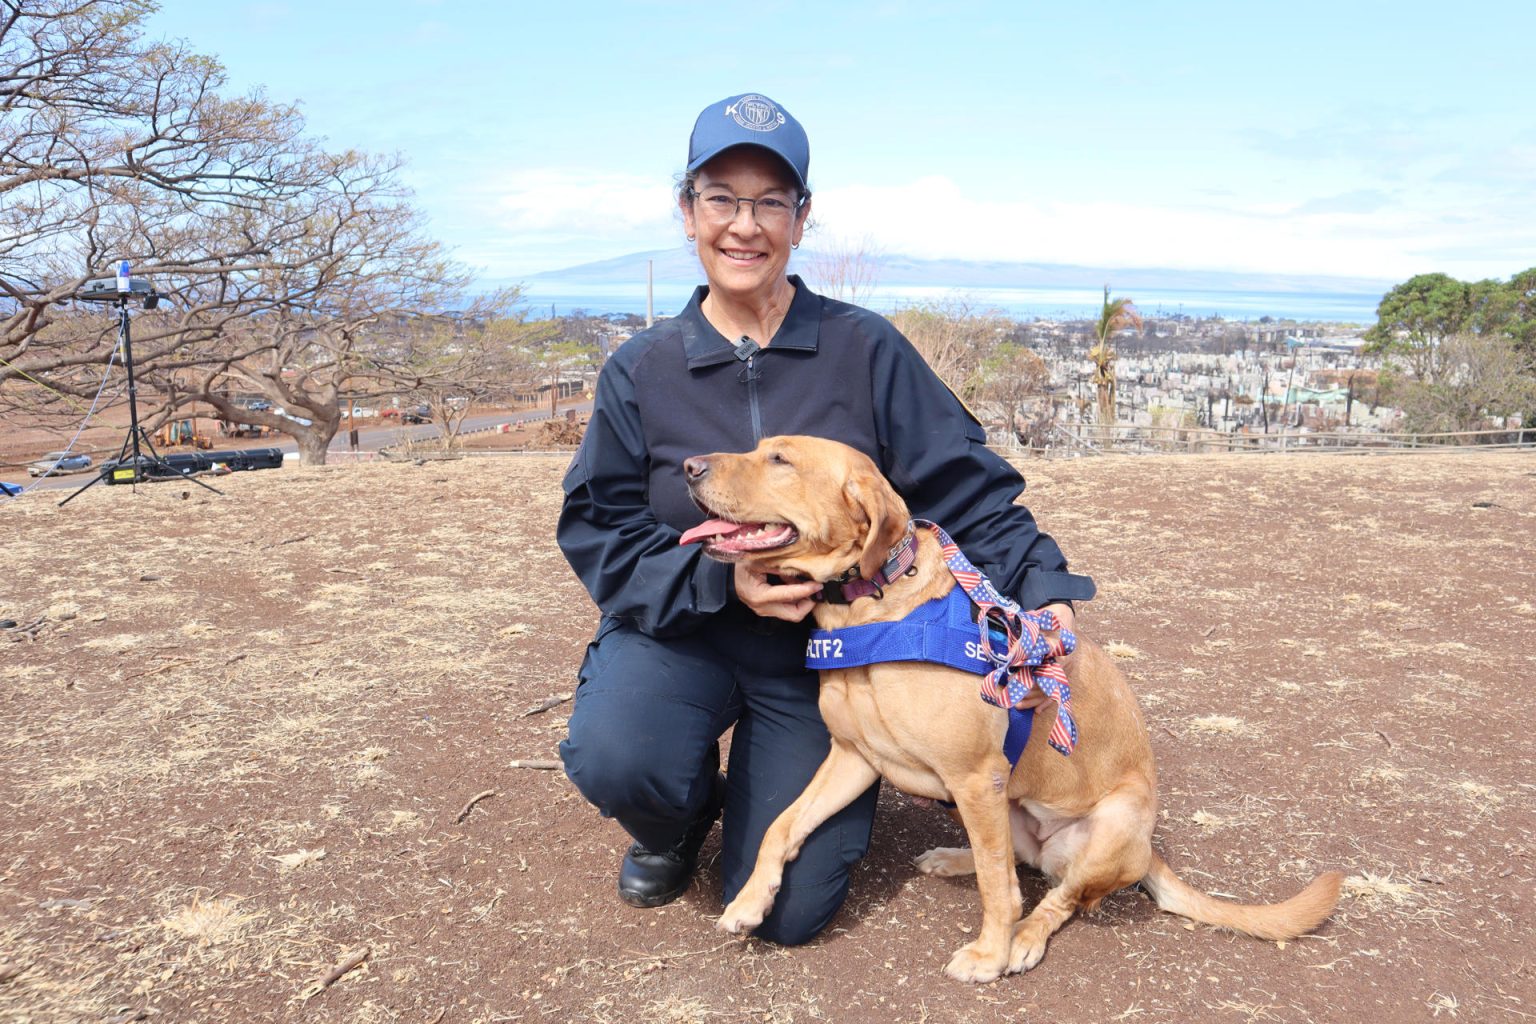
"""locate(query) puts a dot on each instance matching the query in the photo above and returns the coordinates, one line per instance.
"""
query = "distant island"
(1021, 290)
(680, 266)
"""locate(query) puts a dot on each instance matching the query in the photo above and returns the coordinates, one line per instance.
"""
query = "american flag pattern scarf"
(1015, 641)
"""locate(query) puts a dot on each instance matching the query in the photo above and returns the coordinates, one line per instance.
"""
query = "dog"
(809, 508)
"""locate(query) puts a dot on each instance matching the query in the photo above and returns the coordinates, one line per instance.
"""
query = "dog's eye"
(778, 459)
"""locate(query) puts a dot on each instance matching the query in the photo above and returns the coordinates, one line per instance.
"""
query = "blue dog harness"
(972, 628)
(941, 631)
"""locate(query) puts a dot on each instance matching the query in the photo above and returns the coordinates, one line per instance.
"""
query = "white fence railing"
(1093, 439)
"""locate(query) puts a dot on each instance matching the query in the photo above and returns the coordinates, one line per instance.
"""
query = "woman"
(688, 647)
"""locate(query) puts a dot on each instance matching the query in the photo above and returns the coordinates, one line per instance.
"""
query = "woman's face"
(744, 255)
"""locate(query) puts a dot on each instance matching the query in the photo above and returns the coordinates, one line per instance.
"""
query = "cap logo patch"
(756, 113)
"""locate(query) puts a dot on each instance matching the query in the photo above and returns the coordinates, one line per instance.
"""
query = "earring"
(689, 237)
(794, 245)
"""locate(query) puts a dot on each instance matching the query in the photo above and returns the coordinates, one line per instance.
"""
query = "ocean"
(1017, 303)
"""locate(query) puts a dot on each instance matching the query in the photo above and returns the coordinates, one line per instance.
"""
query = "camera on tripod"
(132, 464)
(110, 289)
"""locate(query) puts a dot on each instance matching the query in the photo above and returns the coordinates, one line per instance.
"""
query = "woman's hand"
(1063, 615)
(1036, 697)
(788, 601)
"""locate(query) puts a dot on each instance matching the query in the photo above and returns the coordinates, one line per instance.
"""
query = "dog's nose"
(695, 468)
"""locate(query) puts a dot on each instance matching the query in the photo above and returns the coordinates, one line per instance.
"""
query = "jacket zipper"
(752, 403)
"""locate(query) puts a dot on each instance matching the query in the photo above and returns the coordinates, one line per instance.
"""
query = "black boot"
(654, 878)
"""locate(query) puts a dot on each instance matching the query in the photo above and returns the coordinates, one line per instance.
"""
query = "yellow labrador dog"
(810, 508)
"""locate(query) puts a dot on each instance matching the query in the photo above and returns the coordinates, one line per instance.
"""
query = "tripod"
(141, 466)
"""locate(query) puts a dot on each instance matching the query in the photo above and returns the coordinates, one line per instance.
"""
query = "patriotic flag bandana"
(1015, 642)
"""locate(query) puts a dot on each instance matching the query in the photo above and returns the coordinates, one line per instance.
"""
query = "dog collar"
(850, 586)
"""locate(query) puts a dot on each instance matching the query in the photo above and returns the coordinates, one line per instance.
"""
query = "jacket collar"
(706, 346)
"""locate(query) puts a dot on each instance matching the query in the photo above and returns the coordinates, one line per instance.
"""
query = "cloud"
(1365, 232)
(266, 14)
(1365, 200)
(528, 221)
(534, 220)
(1506, 167)
(431, 32)
(580, 202)
(1384, 140)
(933, 217)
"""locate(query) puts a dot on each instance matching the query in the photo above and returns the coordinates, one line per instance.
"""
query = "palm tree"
(1116, 316)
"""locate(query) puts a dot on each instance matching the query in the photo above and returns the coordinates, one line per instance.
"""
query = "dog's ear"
(881, 512)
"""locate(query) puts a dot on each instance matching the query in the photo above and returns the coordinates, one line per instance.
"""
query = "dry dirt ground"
(25, 439)
(249, 739)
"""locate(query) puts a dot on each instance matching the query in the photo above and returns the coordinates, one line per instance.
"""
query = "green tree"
(1416, 316)
(561, 358)
(1507, 308)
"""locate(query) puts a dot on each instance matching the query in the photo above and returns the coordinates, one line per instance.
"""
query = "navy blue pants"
(648, 713)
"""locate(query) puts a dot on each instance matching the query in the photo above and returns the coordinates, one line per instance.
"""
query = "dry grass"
(211, 923)
(1380, 889)
(1482, 796)
(235, 749)
(299, 859)
(1222, 725)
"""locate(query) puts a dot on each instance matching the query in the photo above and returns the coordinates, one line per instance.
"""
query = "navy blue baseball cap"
(751, 119)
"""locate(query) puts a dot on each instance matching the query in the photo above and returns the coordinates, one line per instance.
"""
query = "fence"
(1093, 439)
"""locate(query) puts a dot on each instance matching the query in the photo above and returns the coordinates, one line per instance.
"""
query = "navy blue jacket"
(833, 370)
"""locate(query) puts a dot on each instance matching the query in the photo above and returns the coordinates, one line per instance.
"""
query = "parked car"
(300, 420)
(418, 414)
(59, 462)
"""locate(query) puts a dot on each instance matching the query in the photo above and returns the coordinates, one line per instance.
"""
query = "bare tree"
(287, 270)
(453, 367)
(1482, 377)
(843, 268)
(114, 146)
(1011, 380)
(1234, 337)
(343, 326)
(953, 339)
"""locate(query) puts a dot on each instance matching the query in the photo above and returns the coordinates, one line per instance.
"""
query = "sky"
(1356, 138)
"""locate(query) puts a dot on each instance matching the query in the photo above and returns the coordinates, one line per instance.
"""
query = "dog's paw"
(947, 862)
(975, 965)
(743, 915)
(1028, 946)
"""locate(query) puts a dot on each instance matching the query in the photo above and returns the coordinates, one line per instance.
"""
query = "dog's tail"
(1296, 916)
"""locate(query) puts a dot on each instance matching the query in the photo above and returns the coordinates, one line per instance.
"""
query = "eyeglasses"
(722, 207)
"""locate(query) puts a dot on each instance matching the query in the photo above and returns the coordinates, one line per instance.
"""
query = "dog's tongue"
(712, 528)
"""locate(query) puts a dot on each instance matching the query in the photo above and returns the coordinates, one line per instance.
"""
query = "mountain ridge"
(680, 266)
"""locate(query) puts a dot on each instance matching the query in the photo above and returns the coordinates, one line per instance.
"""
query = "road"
(369, 439)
